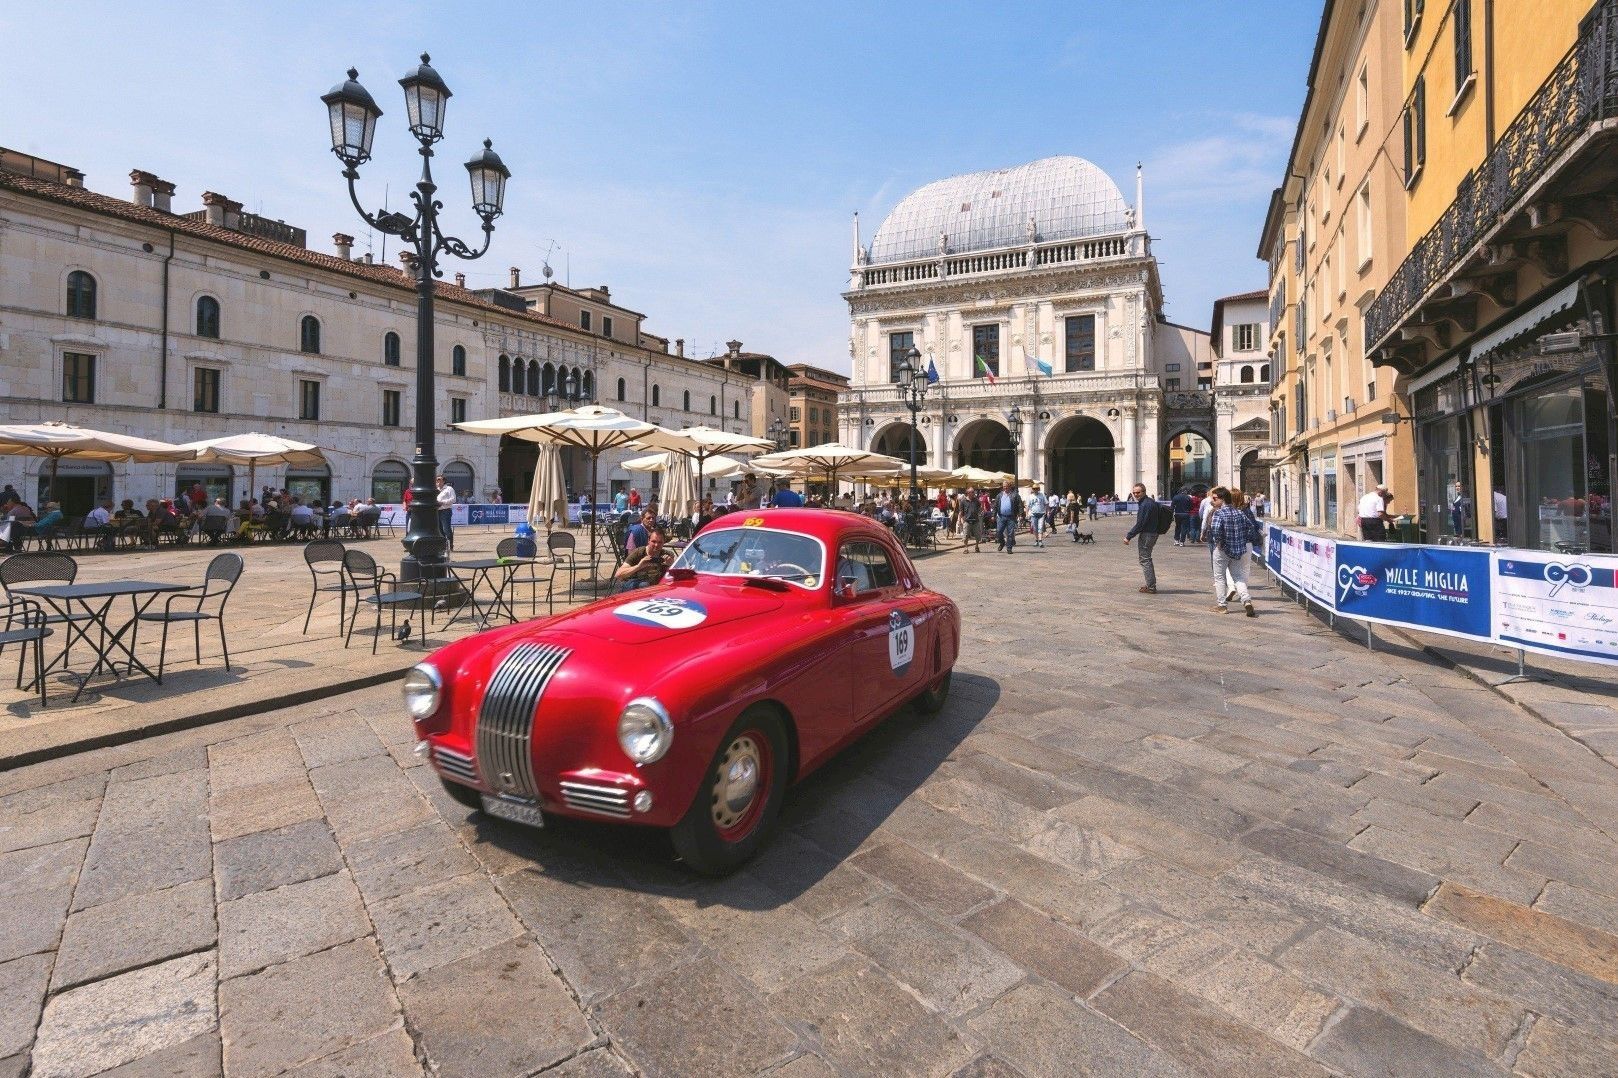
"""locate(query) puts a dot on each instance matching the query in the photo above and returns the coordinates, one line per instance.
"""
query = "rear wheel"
(932, 700)
(464, 794)
(739, 798)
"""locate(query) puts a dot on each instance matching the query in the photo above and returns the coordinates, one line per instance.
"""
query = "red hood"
(662, 613)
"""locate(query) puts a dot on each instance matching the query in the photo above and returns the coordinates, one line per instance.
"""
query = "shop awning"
(1435, 375)
(1546, 309)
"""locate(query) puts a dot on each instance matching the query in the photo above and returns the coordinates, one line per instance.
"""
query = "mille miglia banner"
(1438, 589)
(1557, 604)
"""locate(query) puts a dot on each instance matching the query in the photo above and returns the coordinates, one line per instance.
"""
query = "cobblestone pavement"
(1141, 839)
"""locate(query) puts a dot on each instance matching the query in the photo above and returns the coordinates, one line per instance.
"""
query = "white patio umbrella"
(713, 467)
(591, 428)
(981, 476)
(57, 440)
(255, 449)
(548, 496)
(832, 460)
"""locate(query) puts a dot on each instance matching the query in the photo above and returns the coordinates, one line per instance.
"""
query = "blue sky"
(703, 159)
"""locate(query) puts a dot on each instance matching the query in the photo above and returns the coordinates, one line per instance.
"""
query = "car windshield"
(797, 559)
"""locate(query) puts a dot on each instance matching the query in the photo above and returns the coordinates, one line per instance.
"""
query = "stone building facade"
(1239, 339)
(813, 395)
(123, 315)
(1034, 288)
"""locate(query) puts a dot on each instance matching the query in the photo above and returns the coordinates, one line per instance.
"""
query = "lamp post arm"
(394, 224)
(460, 249)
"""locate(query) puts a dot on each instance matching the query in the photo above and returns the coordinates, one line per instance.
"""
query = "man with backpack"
(1231, 531)
(1152, 519)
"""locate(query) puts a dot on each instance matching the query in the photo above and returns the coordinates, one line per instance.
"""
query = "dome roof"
(1065, 196)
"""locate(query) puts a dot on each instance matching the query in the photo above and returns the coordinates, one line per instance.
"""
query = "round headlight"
(644, 730)
(422, 688)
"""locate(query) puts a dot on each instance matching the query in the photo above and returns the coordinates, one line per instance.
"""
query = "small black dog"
(1084, 537)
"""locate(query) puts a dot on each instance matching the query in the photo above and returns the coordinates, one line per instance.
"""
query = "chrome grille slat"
(505, 720)
(455, 764)
(603, 800)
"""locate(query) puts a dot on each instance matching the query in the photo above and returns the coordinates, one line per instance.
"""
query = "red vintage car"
(777, 637)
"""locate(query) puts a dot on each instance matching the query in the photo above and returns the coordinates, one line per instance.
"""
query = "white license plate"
(515, 810)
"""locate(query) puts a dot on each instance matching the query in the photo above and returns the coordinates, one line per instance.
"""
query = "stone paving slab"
(1140, 839)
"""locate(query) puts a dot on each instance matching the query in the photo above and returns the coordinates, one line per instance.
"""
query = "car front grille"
(455, 765)
(506, 719)
(588, 797)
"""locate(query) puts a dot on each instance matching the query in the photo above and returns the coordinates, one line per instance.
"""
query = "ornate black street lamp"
(1014, 422)
(913, 390)
(777, 433)
(353, 115)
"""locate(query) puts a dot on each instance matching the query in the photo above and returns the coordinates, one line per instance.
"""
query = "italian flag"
(983, 370)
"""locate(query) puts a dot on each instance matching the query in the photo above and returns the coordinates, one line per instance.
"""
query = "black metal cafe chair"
(380, 589)
(325, 560)
(526, 552)
(564, 552)
(204, 602)
(24, 625)
(42, 567)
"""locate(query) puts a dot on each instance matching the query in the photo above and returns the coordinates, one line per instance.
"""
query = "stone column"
(1128, 455)
(1224, 444)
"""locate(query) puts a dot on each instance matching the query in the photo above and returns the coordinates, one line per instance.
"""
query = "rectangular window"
(1415, 131)
(584, 319)
(308, 399)
(1081, 343)
(986, 350)
(1362, 102)
(1342, 269)
(1171, 368)
(205, 390)
(1171, 383)
(1412, 19)
(78, 378)
(1364, 222)
(1463, 44)
(390, 407)
(1245, 337)
(1342, 154)
(899, 345)
(606, 326)
(795, 415)
(457, 409)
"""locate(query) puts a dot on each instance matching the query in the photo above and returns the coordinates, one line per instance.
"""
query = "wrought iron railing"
(1582, 90)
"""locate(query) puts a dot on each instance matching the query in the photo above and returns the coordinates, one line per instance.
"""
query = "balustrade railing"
(969, 265)
(1582, 90)
(977, 389)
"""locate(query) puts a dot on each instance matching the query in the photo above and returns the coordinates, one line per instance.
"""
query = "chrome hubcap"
(736, 782)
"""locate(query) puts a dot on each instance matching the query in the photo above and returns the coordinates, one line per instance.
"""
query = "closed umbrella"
(255, 449)
(591, 428)
(57, 440)
(548, 495)
(679, 486)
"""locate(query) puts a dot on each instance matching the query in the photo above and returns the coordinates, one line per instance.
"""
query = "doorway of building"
(1190, 462)
(1079, 457)
(985, 443)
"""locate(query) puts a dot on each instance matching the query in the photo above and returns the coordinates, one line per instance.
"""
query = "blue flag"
(932, 371)
(1039, 364)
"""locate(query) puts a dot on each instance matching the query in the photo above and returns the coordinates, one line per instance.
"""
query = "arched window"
(533, 378)
(587, 386)
(657, 396)
(207, 317)
(548, 383)
(622, 390)
(1264, 374)
(687, 401)
(1247, 374)
(309, 335)
(736, 408)
(505, 374)
(713, 405)
(458, 474)
(81, 295)
(457, 360)
(390, 349)
(519, 376)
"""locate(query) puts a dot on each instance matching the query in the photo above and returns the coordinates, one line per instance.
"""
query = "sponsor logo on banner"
(1432, 588)
(1551, 604)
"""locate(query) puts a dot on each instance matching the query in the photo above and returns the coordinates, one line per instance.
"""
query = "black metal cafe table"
(97, 600)
(472, 573)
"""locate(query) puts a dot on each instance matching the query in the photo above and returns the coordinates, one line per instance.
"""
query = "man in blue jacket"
(1183, 507)
(1007, 508)
(1146, 528)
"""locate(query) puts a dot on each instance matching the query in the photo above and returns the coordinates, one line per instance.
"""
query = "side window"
(867, 565)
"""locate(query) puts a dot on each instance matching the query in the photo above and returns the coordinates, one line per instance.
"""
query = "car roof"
(827, 525)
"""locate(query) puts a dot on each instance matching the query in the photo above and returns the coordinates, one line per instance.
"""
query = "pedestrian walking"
(446, 509)
(1231, 532)
(1008, 509)
(971, 514)
(1183, 504)
(1094, 502)
(1038, 507)
(1374, 515)
(1151, 521)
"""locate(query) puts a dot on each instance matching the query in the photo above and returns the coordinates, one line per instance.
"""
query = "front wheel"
(932, 700)
(739, 797)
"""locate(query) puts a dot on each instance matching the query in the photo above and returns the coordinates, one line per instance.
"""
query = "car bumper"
(586, 792)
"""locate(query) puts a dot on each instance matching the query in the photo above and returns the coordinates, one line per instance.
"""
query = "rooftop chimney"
(679, 347)
(604, 290)
(460, 280)
(735, 348)
(163, 196)
(367, 258)
(407, 264)
(344, 245)
(72, 177)
(516, 277)
(142, 184)
(221, 211)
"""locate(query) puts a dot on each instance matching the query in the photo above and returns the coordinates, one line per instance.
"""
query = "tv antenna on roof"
(546, 268)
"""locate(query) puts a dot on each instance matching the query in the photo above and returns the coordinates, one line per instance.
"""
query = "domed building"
(1032, 289)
